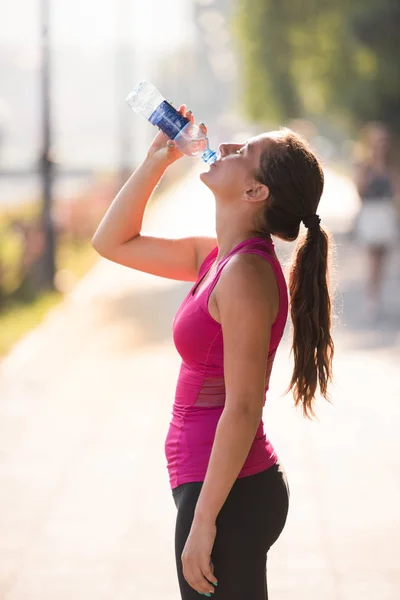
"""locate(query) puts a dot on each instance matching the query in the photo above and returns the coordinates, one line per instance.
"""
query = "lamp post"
(123, 79)
(46, 164)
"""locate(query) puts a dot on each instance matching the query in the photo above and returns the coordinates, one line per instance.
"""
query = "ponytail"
(313, 346)
(295, 181)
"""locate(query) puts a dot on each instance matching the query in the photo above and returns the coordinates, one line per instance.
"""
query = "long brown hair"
(296, 180)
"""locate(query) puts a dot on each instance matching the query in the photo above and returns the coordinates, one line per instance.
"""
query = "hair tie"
(312, 221)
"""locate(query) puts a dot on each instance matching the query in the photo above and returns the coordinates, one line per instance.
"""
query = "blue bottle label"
(168, 119)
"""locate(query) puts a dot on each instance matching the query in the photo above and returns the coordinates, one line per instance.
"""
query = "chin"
(205, 178)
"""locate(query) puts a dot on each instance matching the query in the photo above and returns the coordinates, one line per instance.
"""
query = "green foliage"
(22, 307)
(20, 313)
(19, 318)
(331, 57)
(270, 91)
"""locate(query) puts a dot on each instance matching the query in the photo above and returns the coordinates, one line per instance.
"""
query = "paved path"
(85, 507)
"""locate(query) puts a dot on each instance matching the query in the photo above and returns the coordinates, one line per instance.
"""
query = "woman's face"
(233, 174)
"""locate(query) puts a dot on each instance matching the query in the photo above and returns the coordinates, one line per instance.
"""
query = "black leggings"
(249, 522)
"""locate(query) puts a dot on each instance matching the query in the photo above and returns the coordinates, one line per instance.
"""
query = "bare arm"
(247, 301)
(123, 220)
(118, 237)
(247, 298)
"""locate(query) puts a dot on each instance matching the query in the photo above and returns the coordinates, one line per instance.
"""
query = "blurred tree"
(321, 58)
(270, 89)
(376, 26)
(2, 291)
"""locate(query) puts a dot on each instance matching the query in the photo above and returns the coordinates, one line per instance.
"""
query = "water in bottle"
(146, 100)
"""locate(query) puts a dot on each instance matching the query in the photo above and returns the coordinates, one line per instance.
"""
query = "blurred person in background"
(228, 484)
(377, 226)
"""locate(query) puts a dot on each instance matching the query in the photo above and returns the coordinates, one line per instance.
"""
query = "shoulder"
(248, 269)
(248, 281)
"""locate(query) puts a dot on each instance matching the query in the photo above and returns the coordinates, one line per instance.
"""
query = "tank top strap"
(207, 262)
(269, 254)
(252, 245)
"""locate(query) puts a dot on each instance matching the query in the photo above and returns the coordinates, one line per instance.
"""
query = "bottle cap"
(209, 156)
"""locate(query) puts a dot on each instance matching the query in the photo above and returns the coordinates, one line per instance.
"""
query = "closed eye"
(242, 149)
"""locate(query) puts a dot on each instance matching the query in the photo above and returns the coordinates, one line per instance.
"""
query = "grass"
(10, 245)
(19, 318)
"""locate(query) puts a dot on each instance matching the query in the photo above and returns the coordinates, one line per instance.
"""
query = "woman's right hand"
(164, 150)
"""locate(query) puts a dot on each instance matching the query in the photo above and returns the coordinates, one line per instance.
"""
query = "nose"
(222, 149)
(225, 149)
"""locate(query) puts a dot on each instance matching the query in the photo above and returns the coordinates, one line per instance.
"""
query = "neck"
(231, 229)
(380, 161)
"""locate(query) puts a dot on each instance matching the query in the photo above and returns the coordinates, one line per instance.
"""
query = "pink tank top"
(200, 391)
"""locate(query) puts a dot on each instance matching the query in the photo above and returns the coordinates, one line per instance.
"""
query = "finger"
(189, 115)
(201, 584)
(203, 128)
(208, 573)
(196, 580)
(202, 587)
(182, 109)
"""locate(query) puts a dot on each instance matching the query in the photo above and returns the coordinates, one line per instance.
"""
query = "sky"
(92, 72)
(91, 29)
(93, 23)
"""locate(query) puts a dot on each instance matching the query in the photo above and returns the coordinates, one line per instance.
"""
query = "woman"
(377, 225)
(228, 485)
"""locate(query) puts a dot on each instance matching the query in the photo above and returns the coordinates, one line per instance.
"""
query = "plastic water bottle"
(146, 100)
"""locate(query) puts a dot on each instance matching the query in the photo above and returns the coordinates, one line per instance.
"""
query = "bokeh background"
(87, 366)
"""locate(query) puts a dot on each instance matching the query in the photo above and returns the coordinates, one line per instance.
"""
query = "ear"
(257, 193)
